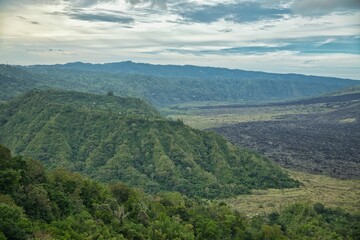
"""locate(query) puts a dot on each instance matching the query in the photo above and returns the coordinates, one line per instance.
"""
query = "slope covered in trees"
(168, 85)
(35, 204)
(14, 81)
(111, 138)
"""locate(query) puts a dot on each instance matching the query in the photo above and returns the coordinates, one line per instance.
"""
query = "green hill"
(164, 85)
(36, 204)
(112, 138)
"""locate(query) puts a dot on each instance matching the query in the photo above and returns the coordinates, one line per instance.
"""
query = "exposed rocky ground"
(326, 143)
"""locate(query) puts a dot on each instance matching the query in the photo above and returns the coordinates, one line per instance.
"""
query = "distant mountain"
(165, 85)
(14, 81)
(112, 138)
(189, 71)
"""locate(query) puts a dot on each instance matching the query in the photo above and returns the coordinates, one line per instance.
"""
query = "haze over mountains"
(165, 85)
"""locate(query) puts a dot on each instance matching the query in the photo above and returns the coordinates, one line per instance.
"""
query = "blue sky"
(318, 37)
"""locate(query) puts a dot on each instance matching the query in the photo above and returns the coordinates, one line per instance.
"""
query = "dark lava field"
(323, 143)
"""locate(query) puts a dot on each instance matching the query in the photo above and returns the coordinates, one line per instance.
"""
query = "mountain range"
(166, 85)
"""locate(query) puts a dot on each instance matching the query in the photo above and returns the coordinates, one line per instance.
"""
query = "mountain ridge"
(80, 64)
(165, 86)
(144, 151)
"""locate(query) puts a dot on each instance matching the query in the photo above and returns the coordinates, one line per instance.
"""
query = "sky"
(313, 37)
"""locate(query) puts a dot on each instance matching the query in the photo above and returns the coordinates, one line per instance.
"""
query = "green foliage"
(137, 147)
(9, 180)
(13, 223)
(304, 221)
(65, 205)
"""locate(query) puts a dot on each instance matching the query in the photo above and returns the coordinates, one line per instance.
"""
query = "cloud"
(327, 41)
(304, 46)
(5, 3)
(153, 4)
(323, 7)
(73, 3)
(100, 17)
(270, 35)
(28, 20)
(225, 30)
(236, 12)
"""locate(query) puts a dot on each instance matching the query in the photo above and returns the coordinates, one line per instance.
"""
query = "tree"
(13, 224)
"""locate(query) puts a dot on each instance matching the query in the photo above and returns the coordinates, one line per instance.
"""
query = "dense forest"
(36, 204)
(168, 85)
(111, 138)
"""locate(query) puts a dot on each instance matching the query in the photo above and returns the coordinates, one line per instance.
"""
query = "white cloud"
(322, 7)
(158, 35)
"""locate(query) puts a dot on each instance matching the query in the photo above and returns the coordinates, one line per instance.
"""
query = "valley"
(315, 135)
(182, 162)
(179, 120)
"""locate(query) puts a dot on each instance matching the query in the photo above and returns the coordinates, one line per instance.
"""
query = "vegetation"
(111, 138)
(35, 204)
(218, 115)
(203, 119)
(14, 81)
(173, 166)
(168, 85)
(316, 135)
(349, 90)
(329, 191)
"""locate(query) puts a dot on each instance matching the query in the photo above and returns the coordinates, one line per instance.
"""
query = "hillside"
(165, 85)
(15, 81)
(36, 204)
(188, 71)
(131, 143)
(349, 90)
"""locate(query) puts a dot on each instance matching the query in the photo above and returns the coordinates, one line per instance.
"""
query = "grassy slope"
(316, 188)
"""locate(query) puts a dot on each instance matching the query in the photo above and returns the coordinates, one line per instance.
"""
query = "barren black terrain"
(326, 142)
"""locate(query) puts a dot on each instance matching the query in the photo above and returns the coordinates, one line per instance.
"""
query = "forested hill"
(15, 81)
(164, 85)
(36, 204)
(143, 150)
(86, 102)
